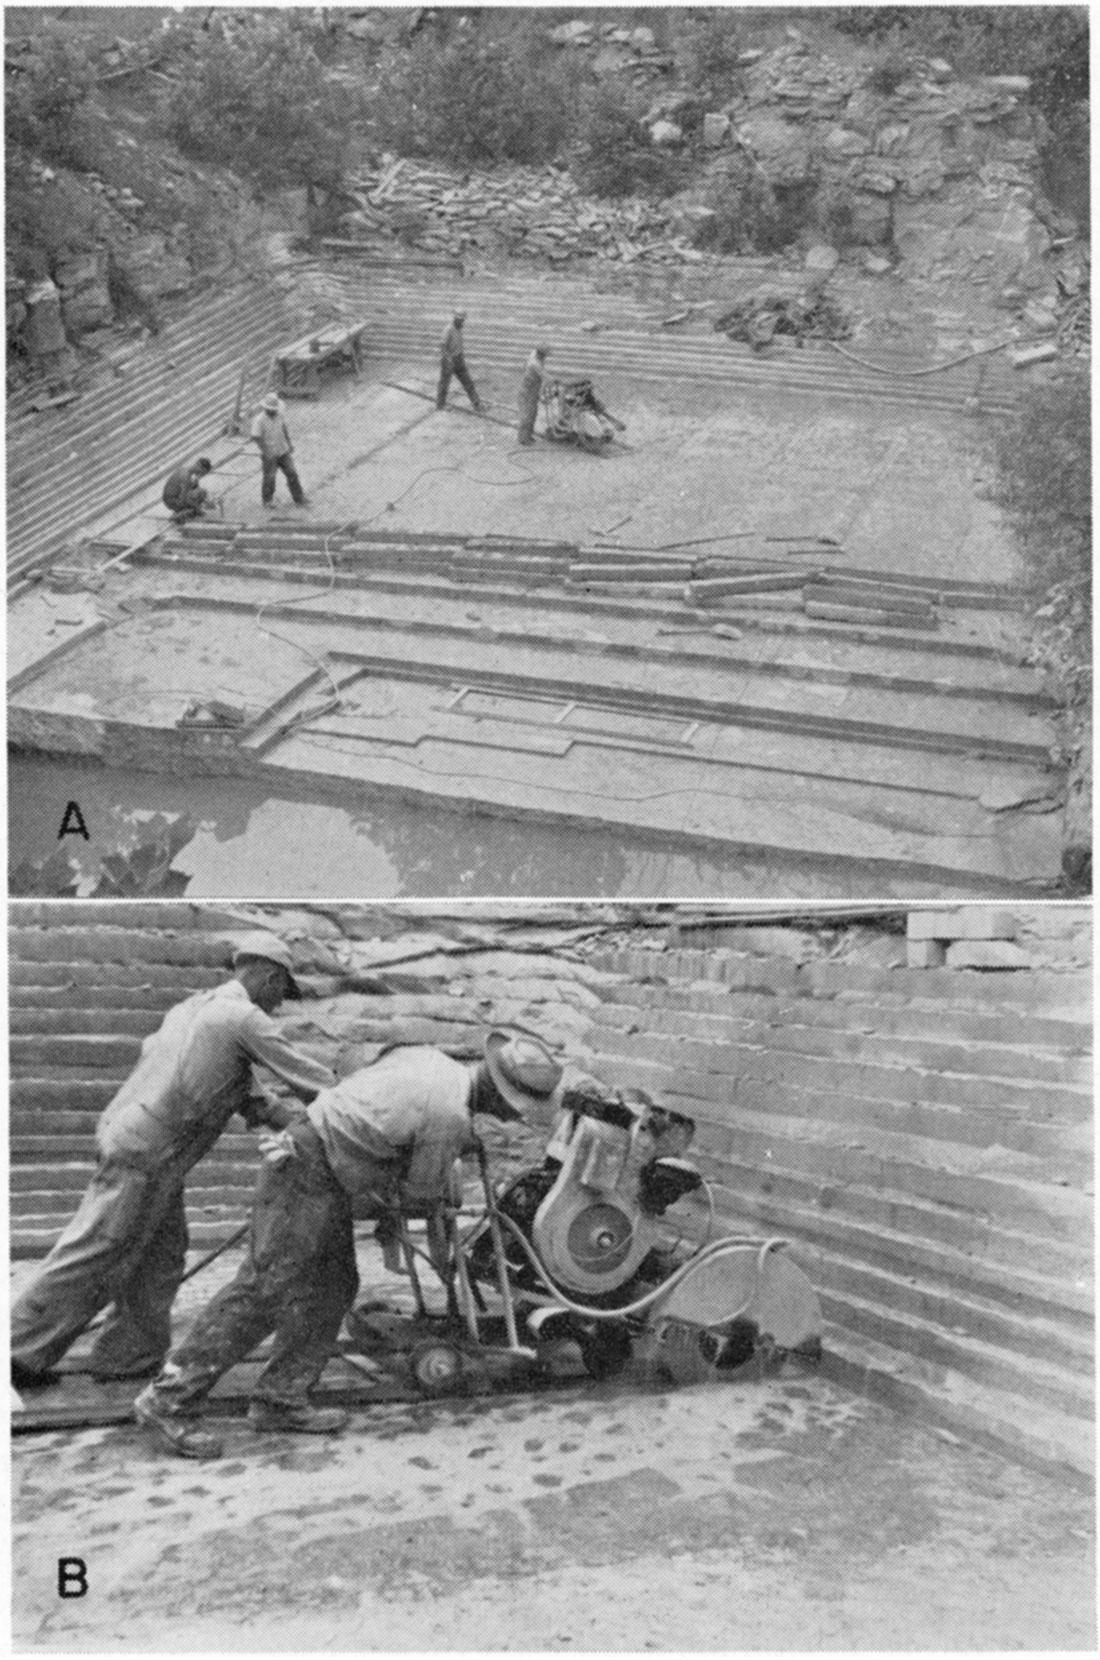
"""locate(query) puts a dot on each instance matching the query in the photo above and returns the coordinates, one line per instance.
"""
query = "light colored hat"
(523, 1070)
(270, 948)
(271, 403)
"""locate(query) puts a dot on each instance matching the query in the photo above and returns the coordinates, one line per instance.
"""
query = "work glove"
(277, 1147)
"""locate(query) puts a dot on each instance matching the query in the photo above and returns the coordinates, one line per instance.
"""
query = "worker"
(385, 1138)
(530, 389)
(127, 1244)
(183, 494)
(452, 361)
(271, 433)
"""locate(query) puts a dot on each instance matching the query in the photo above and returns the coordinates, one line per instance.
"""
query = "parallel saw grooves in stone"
(922, 1135)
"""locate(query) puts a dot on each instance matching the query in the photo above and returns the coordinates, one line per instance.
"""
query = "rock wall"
(941, 171)
(117, 257)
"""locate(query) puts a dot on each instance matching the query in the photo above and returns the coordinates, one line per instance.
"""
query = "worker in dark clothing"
(271, 433)
(127, 1244)
(452, 361)
(530, 390)
(384, 1139)
(184, 496)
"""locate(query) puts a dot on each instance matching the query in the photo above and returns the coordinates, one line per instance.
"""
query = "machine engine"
(592, 1209)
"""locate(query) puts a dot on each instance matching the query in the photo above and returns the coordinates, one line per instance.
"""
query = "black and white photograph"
(549, 965)
(575, 1278)
(496, 452)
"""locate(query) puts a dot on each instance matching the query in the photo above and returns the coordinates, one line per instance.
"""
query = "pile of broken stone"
(515, 210)
(932, 177)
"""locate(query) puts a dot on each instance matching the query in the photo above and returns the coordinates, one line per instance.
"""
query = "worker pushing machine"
(530, 391)
(183, 493)
(452, 361)
(271, 433)
(127, 1244)
(383, 1140)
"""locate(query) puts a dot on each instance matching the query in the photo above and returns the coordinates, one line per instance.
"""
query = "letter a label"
(72, 824)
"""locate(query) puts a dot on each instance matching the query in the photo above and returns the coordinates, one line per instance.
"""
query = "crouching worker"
(387, 1136)
(183, 494)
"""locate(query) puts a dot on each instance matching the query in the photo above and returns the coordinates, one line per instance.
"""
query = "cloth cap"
(271, 403)
(523, 1070)
(271, 949)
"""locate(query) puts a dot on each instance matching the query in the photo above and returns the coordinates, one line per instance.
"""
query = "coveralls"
(276, 455)
(452, 361)
(127, 1243)
(183, 495)
(386, 1136)
(529, 389)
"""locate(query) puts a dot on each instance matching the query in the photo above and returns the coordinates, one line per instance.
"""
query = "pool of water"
(247, 843)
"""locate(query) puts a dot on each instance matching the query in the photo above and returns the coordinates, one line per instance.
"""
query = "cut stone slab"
(989, 954)
(925, 953)
(968, 922)
(1022, 357)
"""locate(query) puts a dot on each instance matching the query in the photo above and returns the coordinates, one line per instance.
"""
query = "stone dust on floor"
(756, 1516)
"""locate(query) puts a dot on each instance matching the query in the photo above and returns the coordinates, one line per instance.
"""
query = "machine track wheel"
(605, 1348)
(436, 1367)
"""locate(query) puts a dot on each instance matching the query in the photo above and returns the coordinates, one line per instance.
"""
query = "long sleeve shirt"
(452, 347)
(392, 1131)
(194, 1073)
(273, 435)
(531, 383)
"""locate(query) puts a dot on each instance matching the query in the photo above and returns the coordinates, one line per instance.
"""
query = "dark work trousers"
(298, 1280)
(126, 1246)
(273, 464)
(457, 368)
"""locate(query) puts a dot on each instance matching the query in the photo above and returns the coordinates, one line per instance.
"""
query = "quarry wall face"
(907, 1099)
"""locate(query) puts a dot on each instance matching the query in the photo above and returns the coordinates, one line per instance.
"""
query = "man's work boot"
(150, 1370)
(22, 1377)
(268, 1417)
(172, 1430)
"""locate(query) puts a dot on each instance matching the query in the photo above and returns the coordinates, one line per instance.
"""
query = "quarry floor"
(900, 488)
(772, 1515)
(763, 1514)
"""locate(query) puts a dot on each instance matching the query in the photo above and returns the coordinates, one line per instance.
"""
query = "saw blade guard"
(745, 1280)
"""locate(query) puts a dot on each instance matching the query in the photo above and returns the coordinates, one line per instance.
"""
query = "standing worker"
(530, 389)
(271, 433)
(183, 494)
(127, 1243)
(385, 1138)
(452, 361)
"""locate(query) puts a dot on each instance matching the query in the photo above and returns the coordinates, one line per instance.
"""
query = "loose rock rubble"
(538, 212)
(811, 314)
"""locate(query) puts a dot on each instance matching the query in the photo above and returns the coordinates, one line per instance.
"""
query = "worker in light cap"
(126, 1247)
(385, 1138)
(271, 433)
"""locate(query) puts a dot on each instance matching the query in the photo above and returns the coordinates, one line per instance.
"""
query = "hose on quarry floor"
(322, 593)
(913, 374)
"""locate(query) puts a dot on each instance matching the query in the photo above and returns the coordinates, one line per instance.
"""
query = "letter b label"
(72, 1576)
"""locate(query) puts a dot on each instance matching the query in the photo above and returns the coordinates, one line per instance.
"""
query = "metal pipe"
(409, 1255)
(498, 1250)
(466, 1296)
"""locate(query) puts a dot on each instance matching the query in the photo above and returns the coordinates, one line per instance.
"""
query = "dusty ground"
(899, 489)
(760, 1516)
